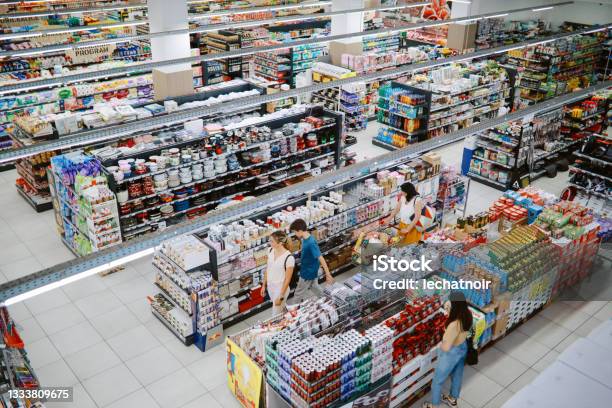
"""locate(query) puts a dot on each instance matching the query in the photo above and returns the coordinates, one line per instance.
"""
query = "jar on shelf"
(134, 189)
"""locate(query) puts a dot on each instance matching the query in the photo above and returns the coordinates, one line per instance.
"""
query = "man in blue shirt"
(310, 260)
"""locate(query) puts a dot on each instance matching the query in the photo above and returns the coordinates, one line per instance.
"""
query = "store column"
(172, 80)
(462, 36)
(345, 24)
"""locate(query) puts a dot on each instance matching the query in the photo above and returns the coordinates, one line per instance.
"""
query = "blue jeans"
(450, 364)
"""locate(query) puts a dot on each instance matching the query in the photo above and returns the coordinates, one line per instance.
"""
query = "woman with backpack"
(453, 352)
(409, 207)
(278, 273)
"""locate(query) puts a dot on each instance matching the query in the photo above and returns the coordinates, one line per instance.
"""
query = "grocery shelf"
(593, 159)
(242, 52)
(557, 150)
(601, 176)
(245, 10)
(588, 191)
(11, 289)
(507, 166)
(188, 341)
(39, 204)
(72, 10)
(67, 29)
(485, 180)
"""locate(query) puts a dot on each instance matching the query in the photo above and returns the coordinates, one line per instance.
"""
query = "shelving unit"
(220, 42)
(32, 183)
(348, 99)
(495, 32)
(86, 209)
(454, 106)
(557, 67)
(590, 177)
(500, 159)
(138, 89)
(147, 212)
(188, 297)
(549, 143)
(250, 38)
(402, 112)
(274, 66)
(586, 116)
(303, 57)
(453, 193)
(381, 43)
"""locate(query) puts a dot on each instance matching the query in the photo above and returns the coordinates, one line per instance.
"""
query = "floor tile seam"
(89, 395)
(207, 392)
(154, 381)
(600, 308)
(496, 395)
(608, 386)
(496, 381)
(121, 363)
(38, 319)
(517, 328)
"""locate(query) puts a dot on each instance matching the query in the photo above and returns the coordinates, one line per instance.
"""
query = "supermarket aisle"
(99, 335)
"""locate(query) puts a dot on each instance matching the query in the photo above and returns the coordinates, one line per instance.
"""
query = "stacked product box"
(381, 338)
(529, 261)
(414, 376)
(575, 234)
(328, 369)
(417, 329)
(356, 369)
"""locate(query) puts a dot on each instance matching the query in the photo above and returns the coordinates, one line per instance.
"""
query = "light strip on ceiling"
(79, 276)
(498, 15)
(542, 8)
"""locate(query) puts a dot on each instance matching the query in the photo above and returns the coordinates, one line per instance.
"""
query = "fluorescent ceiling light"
(542, 8)
(497, 15)
(77, 277)
(460, 1)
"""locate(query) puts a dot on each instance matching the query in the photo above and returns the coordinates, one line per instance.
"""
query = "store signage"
(244, 376)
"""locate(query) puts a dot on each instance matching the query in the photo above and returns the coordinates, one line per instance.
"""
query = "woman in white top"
(279, 271)
(409, 208)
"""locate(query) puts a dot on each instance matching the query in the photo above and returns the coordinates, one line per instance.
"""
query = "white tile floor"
(99, 335)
